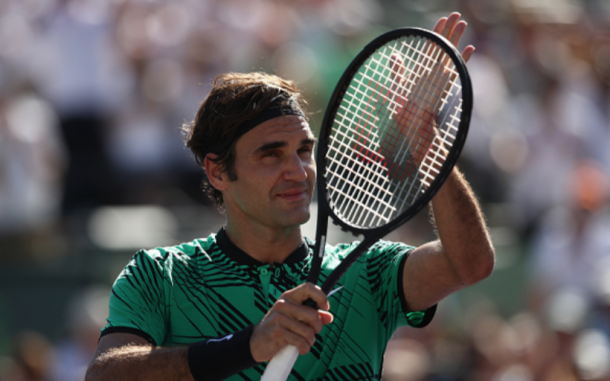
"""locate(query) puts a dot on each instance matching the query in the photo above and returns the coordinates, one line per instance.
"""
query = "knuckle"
(312, 315)
(283, 306)
(279, 320)
(304, 347)
(311, 335)
(275, 321)
(277, 332)
(310, 288)
(280, 304)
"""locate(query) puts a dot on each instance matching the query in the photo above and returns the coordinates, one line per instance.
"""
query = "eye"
(305, 150)
(270, 154)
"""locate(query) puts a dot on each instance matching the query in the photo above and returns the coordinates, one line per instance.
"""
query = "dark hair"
(235, 99)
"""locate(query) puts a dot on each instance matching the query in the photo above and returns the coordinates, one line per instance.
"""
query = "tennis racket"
(394, 128)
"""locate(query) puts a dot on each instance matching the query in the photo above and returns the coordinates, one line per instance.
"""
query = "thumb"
(326, 317)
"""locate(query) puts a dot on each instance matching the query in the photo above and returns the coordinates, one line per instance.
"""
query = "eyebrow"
(279, 144)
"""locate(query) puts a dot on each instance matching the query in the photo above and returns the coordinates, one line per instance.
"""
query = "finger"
(303, 346)
(285, 336)
(302, 330)
(458, 31)
(440, 25)
(467, 52)
(450, 24)
(326, 317)
(300, 313)
(278, 329)
(308, 291)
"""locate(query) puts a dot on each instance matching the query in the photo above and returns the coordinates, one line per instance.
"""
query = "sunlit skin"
(271, 197)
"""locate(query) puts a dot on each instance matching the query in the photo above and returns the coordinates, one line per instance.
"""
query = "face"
(276, 173)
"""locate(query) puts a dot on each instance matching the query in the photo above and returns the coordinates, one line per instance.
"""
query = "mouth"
(294, 194)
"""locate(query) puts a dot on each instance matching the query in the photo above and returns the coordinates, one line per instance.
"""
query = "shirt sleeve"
(137, 301)
(385, 263)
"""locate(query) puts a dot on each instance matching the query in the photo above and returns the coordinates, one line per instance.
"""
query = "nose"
(295, 169)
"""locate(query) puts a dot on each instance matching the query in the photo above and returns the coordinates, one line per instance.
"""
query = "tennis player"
(220, 307)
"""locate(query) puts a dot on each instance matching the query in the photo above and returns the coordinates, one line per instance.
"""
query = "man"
(220, 307)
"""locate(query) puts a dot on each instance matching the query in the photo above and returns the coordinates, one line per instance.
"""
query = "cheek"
(311, 172)
(259, 179)
(309, 164)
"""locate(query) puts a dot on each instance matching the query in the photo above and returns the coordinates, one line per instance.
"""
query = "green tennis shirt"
(209, 288)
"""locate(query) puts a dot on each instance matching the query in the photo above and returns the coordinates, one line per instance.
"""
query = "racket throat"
(321, 247)
(337, 273)
(316, 263)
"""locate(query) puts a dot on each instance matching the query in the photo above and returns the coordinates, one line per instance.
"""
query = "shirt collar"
(243, 258)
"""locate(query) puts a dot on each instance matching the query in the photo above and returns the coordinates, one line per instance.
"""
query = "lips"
(293, 194)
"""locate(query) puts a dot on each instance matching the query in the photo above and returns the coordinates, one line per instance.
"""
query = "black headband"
(282, 104)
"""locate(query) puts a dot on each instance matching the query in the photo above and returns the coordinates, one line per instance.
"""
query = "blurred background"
(93, 166)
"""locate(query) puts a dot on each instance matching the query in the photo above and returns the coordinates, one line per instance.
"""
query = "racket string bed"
(361, 173)
(373, 219)
(346, 202)
(366, 215)
(357, 117)
(347, 186)
(338, 148)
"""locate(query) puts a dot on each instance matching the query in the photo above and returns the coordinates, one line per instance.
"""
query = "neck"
(267, 245)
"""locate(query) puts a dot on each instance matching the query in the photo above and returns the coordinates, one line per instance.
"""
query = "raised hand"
(452, 28)
(422, 91)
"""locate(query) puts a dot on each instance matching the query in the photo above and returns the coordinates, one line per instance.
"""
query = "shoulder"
(182, 253)
(381, 247)
(389, 248)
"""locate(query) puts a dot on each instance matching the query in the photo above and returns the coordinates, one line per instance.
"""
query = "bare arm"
(124, 356)
(462, 256)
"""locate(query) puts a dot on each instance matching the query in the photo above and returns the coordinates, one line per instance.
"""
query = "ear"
(217, 178)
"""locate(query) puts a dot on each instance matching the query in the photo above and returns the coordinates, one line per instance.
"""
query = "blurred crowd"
(93, 94)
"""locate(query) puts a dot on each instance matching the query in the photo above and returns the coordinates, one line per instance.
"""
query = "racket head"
(369, 92)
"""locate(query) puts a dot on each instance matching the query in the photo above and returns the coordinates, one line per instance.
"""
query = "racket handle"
(281, 364)
(310, 303)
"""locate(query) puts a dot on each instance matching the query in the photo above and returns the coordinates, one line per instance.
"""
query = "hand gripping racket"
(393, 130)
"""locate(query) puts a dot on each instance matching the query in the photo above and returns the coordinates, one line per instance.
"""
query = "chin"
(305, 219)
(298, 218)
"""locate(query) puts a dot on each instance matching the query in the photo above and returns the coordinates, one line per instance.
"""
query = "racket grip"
(310, 303)
(281, 364)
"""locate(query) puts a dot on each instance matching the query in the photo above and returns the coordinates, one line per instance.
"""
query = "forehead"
(282, 128)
